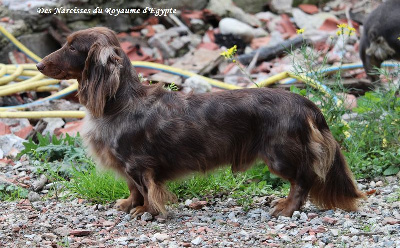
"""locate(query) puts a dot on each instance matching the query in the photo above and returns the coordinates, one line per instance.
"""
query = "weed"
(12, 192)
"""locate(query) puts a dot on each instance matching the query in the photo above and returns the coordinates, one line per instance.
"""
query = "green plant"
(12, 192)
(256, 181)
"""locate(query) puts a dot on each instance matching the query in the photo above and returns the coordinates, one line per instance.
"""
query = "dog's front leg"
(155, 196)
(135, 197)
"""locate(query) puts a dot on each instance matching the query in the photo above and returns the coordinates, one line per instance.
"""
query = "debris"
(268, 53)
(196, 85)
(237, 28)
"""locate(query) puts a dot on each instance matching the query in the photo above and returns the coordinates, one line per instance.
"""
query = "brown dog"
(379, 41)
(150, 135)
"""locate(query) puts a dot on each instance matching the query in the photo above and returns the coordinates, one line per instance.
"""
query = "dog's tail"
(334, 186)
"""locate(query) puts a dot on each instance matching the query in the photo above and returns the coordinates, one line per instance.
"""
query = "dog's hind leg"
(295, 170)
(295, 200)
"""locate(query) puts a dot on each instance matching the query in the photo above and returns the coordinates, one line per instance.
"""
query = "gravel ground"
(41, 222)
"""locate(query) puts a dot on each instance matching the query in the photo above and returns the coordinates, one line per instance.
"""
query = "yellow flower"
(339, 32)
(300, 31)
(343, 25)
(351, 29)
(398, 38)
(384, 142)
(230, 52)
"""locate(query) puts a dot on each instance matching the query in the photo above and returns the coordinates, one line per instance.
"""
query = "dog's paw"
(281, 207)
(124, 205)
(140, 210)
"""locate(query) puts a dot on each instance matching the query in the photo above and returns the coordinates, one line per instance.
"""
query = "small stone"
(108, 223)
(245, 234)
(379, 184)
(312, 215)
(144, 239)
(295, 215)
(390, 221)
(335, 232)
(146, 216)
(49, 236)
(197, 240)
(303, 216)
(62, 231)
(33, 196)
(329, 220)
(80, 232)
(188, 202)
(197, 205)
(160, 237)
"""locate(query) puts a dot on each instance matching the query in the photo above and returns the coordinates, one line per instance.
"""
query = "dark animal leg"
(135, 198)
(155, 196)
(296, 198)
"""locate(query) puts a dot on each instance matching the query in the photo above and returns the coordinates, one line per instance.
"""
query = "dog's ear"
(100, 77)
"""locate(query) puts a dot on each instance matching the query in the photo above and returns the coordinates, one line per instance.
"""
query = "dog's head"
(95, 58)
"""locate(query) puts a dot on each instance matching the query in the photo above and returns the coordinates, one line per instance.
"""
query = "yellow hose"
(7, 79)
(26, 86)
(19, 44)
(43, 114)
(179, 71)
(3, 69)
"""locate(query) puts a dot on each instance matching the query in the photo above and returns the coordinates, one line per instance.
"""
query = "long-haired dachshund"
(150, 135)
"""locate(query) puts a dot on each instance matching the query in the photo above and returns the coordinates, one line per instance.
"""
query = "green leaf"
(392, 170)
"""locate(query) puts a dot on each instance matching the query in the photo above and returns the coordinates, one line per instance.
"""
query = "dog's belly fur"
(176, 134)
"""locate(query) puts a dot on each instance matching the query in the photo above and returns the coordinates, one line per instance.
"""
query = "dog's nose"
(40, 66)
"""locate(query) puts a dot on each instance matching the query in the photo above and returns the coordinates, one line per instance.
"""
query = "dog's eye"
(72, 48)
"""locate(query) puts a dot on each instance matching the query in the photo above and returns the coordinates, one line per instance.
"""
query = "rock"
(33, 196)
(144, 239)
(251, 6)
(227, 8)
(146, 216)
(16, 28)
(329, 220)
(62, 231)
(160, 237)
(162, 40)
(49, 236)
(197, 241)
(235, 27)
(350, 101)
(295, 215)
(309, 8)
(188, 202)
(196, 85)
(311, 22)
(80, 232)
(52, 125)
(40, 183)
(18, 126)
(10, 145)
(390, 221)
(244, 234)
(281, 6)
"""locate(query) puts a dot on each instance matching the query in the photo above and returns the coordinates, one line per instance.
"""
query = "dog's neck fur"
(130, 89)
